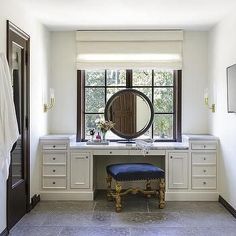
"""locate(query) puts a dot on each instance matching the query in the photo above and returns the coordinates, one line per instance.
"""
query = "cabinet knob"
(53, 182)
(171, 157)
(204, 158)
(204, 182)
(54, 158)
(146, 152)
(54, 171)
(204, 146)
(204, 171)
(87, 157)
(110, 152)
(54, 146)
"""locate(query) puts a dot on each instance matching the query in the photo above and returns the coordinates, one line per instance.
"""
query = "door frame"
(12, 27)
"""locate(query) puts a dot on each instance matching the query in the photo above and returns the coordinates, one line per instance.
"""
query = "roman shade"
(129, 49)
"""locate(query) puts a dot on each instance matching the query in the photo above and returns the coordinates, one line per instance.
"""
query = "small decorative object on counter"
(104, 126)
(98, 137)
(92, 132)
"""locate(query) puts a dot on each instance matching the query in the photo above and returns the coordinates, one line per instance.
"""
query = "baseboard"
(227, 206)
(67, 196)
(191, 196)
(4, 232)
(35, 200)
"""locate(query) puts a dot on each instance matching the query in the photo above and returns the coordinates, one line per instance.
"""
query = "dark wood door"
(124, 113)
(18, 198)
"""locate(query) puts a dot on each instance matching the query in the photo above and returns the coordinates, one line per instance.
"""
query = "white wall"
(39, 76)
(222, 53)
(63, 79)
(195, 114)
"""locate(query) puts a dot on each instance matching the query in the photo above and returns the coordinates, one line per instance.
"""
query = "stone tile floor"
(140, 216)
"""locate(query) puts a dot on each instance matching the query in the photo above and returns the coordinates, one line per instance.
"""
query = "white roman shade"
(129, 49)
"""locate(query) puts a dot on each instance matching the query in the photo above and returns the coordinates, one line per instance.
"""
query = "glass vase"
(104, 136)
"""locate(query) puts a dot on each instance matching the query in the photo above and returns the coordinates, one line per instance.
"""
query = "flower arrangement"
(104, 125)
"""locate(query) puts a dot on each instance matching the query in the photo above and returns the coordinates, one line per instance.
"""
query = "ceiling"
(130, 14)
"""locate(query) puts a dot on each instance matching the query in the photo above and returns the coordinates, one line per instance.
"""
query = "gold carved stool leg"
(109, 195)
(148, 187)
(118, 197)
(162, 193)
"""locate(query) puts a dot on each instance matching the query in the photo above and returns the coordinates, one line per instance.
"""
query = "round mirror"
(131, 111)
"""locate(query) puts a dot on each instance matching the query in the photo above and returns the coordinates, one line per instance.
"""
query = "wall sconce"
(49, 106)
(212, 107)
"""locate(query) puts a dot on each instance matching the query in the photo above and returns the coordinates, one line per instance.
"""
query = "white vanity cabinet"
(71, 170)
(80, 170)
(54, 165)
(178, 170)
(65, 174)
(204, 165)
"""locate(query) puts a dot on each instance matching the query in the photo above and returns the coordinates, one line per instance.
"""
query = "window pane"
(90, 123)
(111, 91)
(163, 78)
(94, 99)
(163, 100)
(142, 77)
(146, 91)
(163, 126)
(95, 78)
(116, 78)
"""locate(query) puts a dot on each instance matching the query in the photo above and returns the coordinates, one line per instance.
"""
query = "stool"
(131, 172)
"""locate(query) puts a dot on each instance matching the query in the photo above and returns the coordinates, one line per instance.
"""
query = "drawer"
(204, 158)
(56, 170)
(54, 158)
(54, 146)
(203, 146)
(50, 182)
(203, 170)
(203, 183)
(110, 152)
(148, 153)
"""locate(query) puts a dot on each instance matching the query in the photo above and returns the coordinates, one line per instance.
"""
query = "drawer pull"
(53, 182)
(110, 152)
(54, 158)
(146, 152)
(54, 146)
(204, 183)
(54, 171)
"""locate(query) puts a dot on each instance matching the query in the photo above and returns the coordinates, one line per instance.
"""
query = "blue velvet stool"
(135, 171)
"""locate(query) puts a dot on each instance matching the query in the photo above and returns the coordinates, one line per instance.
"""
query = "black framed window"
(162, 87)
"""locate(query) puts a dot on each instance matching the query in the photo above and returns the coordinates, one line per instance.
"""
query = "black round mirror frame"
(142, 131)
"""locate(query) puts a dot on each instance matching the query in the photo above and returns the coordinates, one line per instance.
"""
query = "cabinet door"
(178, 170)
(80, 170)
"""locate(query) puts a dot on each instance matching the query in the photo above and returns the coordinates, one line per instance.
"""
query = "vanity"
(73, 170)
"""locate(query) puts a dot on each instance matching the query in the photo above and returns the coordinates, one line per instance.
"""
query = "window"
(162, 87)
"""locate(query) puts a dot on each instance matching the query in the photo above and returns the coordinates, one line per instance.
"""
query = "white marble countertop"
(184, 145)
(200, 137)
(122, 146)
(68, 137)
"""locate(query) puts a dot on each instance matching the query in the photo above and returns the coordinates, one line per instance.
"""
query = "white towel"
(8, 122)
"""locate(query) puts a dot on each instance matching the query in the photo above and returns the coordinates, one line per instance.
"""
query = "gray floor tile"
(33, 219)
(94, 231)
(183, 231)
(138, 219)
(140, 216)
(35, 231)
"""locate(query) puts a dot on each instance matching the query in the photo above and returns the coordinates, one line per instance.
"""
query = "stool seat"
(134, 171)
